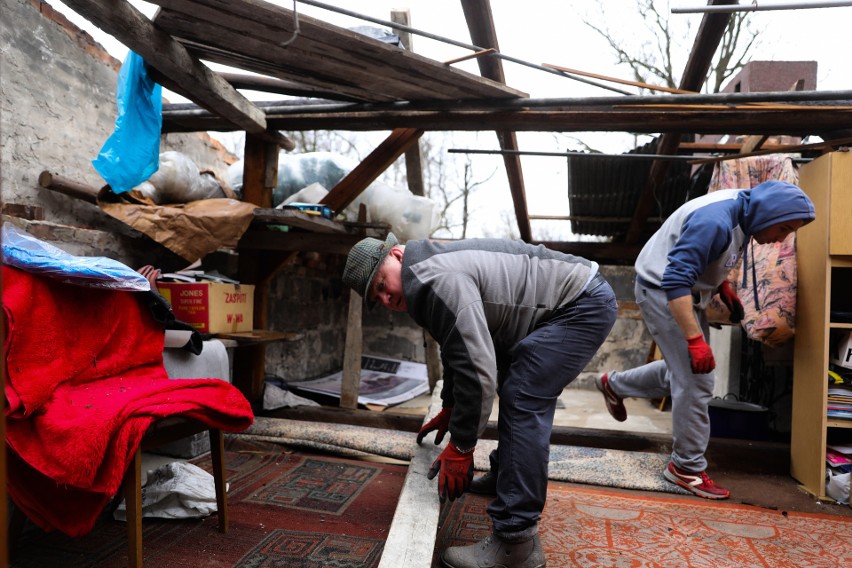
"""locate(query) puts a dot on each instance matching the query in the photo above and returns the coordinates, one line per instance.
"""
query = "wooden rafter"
(189, 77)
(481, 25)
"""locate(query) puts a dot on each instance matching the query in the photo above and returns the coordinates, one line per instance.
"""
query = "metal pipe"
(442, 39)
(572, 154)
(305, 107)
(760, 7)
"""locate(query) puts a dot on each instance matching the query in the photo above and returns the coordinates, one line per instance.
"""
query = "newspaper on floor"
(384, 382)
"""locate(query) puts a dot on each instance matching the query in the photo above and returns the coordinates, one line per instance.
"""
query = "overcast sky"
(552, 31)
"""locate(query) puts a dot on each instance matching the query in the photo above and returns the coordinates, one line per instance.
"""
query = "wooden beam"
(694, 74)
(604, 118)
(365, 173)
(480, 22)
(190, 78)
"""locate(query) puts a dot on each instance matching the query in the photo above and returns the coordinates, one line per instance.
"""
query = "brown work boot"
(519, 549)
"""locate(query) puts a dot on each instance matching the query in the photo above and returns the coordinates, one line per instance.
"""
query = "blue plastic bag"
(132, 153)
(24, 251)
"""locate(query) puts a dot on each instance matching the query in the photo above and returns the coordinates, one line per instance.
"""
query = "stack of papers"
(839, 457)
(384, 382)
(840, 402)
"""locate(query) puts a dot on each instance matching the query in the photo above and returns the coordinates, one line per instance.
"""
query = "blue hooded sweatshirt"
(699, 244)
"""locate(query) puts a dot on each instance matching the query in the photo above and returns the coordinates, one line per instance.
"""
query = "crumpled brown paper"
(190, 230)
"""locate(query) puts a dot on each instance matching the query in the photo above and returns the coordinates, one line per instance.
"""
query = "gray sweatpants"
(690, 393)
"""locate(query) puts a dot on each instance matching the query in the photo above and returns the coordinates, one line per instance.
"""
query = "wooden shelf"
(824, 272)
(259, 336)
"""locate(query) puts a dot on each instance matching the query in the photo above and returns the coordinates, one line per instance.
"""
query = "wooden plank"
(193, 79)
(352, 353)
(365, 173)
(319, 49)
(694, 74)
(810, 358)
(480, 22)
(133, 500)
(300, 219)
(605, 118)
(264, 240)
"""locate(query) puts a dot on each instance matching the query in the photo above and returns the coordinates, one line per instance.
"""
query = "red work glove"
(730, 299)
(441, 423)
(700, 355)
(456, 469)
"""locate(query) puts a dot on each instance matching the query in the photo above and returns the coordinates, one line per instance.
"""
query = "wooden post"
(260, 176)
(354, 348)
(352, 354)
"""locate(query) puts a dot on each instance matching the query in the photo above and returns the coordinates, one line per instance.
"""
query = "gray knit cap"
(364, 260)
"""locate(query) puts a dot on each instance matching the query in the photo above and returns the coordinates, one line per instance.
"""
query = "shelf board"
(838, 423)
(258, 336)
(839, 325)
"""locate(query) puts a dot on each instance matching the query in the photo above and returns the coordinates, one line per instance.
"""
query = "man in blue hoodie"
(678, 271)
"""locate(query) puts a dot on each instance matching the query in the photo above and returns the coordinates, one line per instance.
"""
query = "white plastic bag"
(176, 490)
(178, 180)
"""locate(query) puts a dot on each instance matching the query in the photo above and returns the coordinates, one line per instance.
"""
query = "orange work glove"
(456, 467)
(700, 355)
(730, 299)
(441, 423)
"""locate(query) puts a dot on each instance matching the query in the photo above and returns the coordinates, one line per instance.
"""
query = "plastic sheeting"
(24, 251)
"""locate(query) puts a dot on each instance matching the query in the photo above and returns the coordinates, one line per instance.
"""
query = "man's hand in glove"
(730, 299)
(441, 423)
(700, 355)
(456, 468)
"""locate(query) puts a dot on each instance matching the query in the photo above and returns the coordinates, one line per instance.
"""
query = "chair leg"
(133, 499)
(17, 519)
(217, 456)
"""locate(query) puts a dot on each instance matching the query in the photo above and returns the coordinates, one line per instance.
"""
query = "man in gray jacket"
(678, 271)
(513, 320)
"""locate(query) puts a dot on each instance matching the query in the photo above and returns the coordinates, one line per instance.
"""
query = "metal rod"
(442, 39)
(303, 106)
(669, 157)
(572, 154)
(760, 7)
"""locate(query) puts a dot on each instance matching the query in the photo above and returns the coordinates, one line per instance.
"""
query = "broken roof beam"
(481, 25)
(256, 35)
(366, 172)
(694, 74)
(187, 75)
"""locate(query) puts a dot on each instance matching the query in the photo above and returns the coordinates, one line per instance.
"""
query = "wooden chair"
(161, 433)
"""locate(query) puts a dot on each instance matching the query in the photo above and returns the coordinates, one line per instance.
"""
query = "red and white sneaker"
(698, 483)
(614, 403)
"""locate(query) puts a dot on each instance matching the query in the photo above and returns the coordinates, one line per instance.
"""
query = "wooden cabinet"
(824, 259)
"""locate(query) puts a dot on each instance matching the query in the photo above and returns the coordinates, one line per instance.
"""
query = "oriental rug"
(286, 508)
(593, 528)
(574, 464)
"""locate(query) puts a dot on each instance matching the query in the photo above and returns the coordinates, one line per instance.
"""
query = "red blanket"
(84, 380)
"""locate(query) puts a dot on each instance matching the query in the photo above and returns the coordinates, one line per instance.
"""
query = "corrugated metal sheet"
(603, 191)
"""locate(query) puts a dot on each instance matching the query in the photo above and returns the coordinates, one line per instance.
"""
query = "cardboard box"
(211, 307)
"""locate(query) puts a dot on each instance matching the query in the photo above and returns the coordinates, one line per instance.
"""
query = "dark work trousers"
(542, 365)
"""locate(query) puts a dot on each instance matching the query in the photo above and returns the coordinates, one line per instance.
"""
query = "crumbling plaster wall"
(57, 108)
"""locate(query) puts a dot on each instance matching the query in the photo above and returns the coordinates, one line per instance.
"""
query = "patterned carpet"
(599, 529)
(287, 508)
